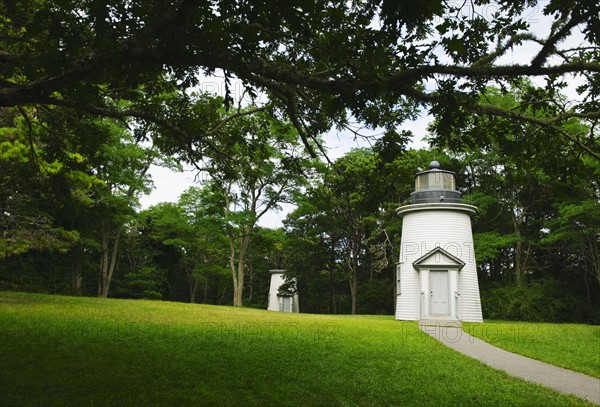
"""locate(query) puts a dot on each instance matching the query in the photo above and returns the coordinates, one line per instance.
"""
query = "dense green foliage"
(88, 351)
(69, 185)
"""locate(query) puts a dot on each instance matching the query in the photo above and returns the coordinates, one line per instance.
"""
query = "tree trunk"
(238, 264)
(76, 279)
(353, 291)
(250, 283)
(108, 259)
(222, 295)
(521, 254)
(238, 300)
(593, 254)
(332, 275)
(76, 271)
(193, 290)
(333, 293)
(192, 283)
(356, 243)
(205, 290)
(518, 261)
(238, 290)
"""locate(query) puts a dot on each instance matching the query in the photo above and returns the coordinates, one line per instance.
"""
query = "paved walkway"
(557, 378)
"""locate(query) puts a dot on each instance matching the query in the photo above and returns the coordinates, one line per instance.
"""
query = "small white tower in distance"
(436, 277)
(278, 300)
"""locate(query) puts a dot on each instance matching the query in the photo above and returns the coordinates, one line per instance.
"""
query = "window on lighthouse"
(398, 279)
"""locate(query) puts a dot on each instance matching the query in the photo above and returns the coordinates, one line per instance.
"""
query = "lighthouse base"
(440, 322)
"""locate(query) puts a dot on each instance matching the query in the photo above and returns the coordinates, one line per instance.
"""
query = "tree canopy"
(317, 61)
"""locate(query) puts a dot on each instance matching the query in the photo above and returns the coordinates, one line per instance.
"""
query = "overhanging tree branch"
(344, 61)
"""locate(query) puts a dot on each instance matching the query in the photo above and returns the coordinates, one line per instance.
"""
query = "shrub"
(538, 301)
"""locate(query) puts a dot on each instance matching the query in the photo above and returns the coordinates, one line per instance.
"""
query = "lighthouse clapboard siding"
(425, 227)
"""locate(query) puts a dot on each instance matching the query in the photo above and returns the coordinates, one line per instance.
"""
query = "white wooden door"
(286, 304)
(439, 292)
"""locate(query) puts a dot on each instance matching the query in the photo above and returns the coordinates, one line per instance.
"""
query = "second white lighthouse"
(436, 277)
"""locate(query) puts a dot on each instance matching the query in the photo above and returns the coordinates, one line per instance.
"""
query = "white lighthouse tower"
(281, 300)
(436, 277)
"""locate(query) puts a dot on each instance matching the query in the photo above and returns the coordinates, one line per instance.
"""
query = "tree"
(526, 195)
(266, 164)
(313, 255)
(345, 228)
(123, 172)
(157, 226)
(140, 276)
(203, 241)
(317, 60)
(267, 252)
(75, 180)
(353, 199)
(30, 181)
(191, 230)
(515, 182)
(576, 232)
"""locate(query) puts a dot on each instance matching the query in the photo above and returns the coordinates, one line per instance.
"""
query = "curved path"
(557, 378)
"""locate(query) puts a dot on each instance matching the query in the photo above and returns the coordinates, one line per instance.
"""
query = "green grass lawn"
(572, 346)
(64, 351)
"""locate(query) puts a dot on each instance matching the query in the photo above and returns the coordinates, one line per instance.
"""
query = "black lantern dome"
(435, 186)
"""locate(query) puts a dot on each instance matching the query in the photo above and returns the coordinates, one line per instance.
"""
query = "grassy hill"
(64, 351)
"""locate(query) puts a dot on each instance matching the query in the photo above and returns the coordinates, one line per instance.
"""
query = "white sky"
(168, 184)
